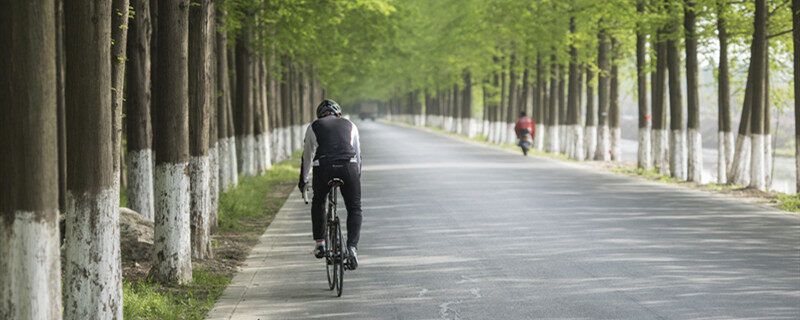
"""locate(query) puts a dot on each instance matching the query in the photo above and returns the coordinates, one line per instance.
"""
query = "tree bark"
(644, 156)
(466, 102)
(552, 114)
(757, 116)
(93, 284)
(796, 43)
(62, 116)
(591, 116)
(245, 142)
(119, 38)
(226, 142)
(172, 249)
(695, 163)
(725, 137)
(562, 110)
(603, 97)
(199, 166)
(677, 155)
(575, 128)
(30, 284)
(659, 96)
(213, 128)
(139, 158)
(613, 110)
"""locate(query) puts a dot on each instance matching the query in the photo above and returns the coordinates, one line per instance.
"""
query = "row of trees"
(563, 62)
(173, 99)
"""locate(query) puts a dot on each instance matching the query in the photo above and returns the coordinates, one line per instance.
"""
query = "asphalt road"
(454, 230)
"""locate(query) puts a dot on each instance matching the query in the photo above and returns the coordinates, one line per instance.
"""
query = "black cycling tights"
(351, 192)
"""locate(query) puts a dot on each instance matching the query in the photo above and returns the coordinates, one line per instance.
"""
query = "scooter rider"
(332, 149)
(524, 123)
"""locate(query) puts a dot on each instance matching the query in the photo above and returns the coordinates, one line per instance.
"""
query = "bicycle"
(336, 254)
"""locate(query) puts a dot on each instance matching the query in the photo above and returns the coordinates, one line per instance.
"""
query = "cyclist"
(332, 149)
(525, 129)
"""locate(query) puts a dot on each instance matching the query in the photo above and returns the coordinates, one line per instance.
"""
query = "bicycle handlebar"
(305, 194)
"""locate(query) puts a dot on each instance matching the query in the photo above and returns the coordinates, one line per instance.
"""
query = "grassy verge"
(244, 214)
(782, 201)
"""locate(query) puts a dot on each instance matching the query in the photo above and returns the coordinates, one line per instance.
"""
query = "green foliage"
(148, 300)
(789, 202)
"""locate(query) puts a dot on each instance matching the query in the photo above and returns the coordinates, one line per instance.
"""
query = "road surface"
(454, 230)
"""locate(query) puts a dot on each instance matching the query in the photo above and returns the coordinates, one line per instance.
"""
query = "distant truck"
(368, 110)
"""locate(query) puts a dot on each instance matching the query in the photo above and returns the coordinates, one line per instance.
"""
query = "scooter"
(525, 141)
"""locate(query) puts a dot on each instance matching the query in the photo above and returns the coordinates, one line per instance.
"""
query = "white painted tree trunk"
(201, 197)
(139, 165)
(258, 153)
(562, 132)
(31, 264)
(616, 144)
(485, 128)
(245, 147)
(93, 269)
(279, 149)
(722, 163)
(730, 142)
(767, 161)
(552, 139)
(644, 158)
(511, 135)
(267, 151)
(213, 182)
(797, 161)
(233, 174)
(223, 164)
(297, 137)
(740, 170)
(172, 252)
(538, 141)
(660, 152)
(757, 177)
(287, 142)
(577, 142)
(590, 141)
(695, 167)
(471, 127)
(569, 142)
(603, 151)
(676, 156)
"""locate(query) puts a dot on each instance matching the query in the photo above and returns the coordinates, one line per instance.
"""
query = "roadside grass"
(782, 201)
(244, 213)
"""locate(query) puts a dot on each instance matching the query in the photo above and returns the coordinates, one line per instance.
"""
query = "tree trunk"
(139, 159)
(757, 115)
(276, 108)
(245, 142)
(30, 284)
(119, 37)
(796, 43)
(725, 137)
(213, 127)
(266, 135)
(62, 116)
(466, 102)
(552, 115)
(677, 155)
(512, 107)
(644, 156)
(539, 102)
(199, 166)
(695, 165)
(659, 96)
(172, 249)
(226, 143)
(93, 284)
(738, 173)
(603, 151)
(575, 135)
(591, 116)
(613, 111)
(562, 110)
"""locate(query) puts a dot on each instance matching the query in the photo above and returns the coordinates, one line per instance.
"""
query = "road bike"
(336, 254)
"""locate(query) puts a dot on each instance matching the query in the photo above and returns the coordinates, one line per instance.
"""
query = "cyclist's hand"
(301, 185)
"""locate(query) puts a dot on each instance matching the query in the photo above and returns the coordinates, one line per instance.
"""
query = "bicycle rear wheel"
(340, 261)
(329, 245)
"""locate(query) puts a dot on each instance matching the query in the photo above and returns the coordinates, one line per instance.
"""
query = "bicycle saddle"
(336, 181)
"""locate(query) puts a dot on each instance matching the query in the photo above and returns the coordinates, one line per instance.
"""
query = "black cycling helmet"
(328, 105)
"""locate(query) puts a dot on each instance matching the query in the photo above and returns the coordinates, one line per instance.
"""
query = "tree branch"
(779, 33)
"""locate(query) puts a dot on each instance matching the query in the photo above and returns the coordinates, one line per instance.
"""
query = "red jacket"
(525, 123)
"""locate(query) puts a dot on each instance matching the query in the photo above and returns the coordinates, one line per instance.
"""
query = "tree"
(30, 264)
(199, 166)
(659, 88)
(796, 42)
(227, 143)
(695, 163)
(93, 271)
(139, 159)
(613, 108)
(725, 136)
(119, 38)
(677, 147)
(245, 141)
(644, 157)
(603, 96)
(172, 251)
(758, 109)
